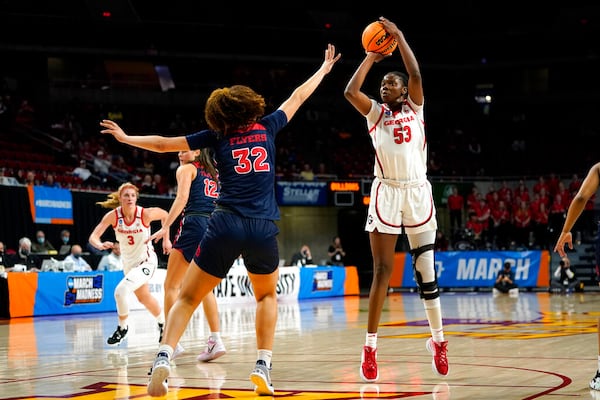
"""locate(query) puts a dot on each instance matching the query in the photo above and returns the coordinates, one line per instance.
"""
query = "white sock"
(123, 323)
(266, 356)
(433, 310)
(167, 349)
(216, 336)
(161, 317)
(599, 362)
(371, 340)
(438, 335)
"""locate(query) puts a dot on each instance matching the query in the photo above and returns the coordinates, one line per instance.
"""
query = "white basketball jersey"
(399, 141)
(132, 237)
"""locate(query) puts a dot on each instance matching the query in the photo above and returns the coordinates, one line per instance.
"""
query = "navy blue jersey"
(200, 204)
(246, 163)
(203, 193)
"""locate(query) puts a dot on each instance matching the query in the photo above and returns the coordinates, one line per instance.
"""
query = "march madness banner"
(480, 268)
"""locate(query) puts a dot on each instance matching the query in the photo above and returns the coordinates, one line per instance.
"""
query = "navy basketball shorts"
(230, 235)
(191, 230)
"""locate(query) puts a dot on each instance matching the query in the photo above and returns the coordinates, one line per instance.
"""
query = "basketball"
(376, 39)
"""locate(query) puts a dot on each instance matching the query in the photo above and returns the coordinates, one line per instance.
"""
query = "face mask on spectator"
(40, 240)
(76, 255)
(65, 239)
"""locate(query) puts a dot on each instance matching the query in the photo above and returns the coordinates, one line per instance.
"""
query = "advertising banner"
(322, 282)
(237, 288)
(301, 193)
(50, 205)
(479, 268)
(75, 293)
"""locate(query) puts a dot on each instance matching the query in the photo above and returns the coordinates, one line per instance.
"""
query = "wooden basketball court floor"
(535, 346)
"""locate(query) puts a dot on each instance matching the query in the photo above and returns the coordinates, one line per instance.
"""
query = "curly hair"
(233, 108)
(112, 200)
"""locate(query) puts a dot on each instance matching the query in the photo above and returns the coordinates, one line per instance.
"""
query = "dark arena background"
(511, 94)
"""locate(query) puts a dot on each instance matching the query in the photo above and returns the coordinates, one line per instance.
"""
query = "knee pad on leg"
(427, 290)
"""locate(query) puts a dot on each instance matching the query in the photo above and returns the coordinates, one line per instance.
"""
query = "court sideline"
(534, 346)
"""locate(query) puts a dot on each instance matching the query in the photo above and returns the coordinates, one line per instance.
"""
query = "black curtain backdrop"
(16, 220)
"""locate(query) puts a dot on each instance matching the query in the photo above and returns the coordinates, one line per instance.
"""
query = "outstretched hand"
(112, 128)
(564, 238)
(330, 58)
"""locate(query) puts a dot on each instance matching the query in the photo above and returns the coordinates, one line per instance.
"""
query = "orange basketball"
(377, 40)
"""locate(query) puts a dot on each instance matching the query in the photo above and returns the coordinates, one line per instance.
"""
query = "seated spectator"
(76, 261)
(83, 172)
(161, 187)
(307, 173)
(101, 164)
(4, 257)
(564, 279)
(505, 281)
(24, 259)
(65, 247)
(31, 179)
(41, 245)
(119, 170)
(50, 181)
(302, 257)
(112, 261)
(147, 185)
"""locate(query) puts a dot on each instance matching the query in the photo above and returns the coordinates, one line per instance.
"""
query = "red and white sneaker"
(368, 364)
(439, 364)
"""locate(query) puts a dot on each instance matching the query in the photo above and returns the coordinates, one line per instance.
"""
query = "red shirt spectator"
(473, 198)
(557, 206)
(500, 214)
(483, 213)
(553, 182)
(522, 224)
(505, 193)
(534, 205)
(521, 192)
(544, 197)
(575, 184)
(541, 184)
(522, 217)
(564, 193)
(475, 226)
(541, 215)
(456, 204)
(489, 196)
